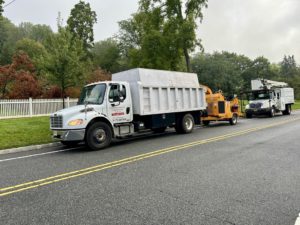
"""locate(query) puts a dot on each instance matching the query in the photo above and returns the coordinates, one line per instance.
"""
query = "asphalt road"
(221, 174)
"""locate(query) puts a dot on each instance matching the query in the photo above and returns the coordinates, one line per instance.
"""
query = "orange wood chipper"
(220, 109)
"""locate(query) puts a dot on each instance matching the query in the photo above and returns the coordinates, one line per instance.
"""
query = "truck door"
(279, 101)
(119, 103)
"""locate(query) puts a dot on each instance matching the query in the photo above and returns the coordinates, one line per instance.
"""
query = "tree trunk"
(63, 92)
(187, 60)
(4, 90)
(63, 98)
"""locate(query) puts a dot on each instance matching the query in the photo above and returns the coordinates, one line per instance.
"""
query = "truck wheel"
(234, 119)
(249, 115)
(70, 143)
(287, 110)
(272, 112)
(185, 124)
(159, 129)
(98, 136)
(205, 122)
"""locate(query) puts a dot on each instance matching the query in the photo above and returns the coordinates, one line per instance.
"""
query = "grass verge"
(24, 131)
(296, 105)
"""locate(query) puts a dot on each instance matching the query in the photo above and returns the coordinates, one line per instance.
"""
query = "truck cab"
(269, 97)
(260, 102)
(103, 102)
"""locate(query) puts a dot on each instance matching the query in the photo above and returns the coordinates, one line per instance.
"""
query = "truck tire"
(70, 143)
(287, 110)
(249, 115)
(272, 112)
(185, 124)
(234, 119)
(99, 136)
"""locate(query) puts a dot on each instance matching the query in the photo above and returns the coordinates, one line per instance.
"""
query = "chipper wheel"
(234, 119)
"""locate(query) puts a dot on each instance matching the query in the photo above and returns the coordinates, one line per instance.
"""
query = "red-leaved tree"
(99, 75)
(25, 85)
(18, 79)
(5, 79)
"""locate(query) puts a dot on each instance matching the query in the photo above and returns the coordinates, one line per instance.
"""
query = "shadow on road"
(82, 148)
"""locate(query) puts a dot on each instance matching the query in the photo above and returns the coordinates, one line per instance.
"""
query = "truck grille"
(56, 121)
(257, 105)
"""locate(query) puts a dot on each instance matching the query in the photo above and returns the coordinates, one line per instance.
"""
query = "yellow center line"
(73, 174)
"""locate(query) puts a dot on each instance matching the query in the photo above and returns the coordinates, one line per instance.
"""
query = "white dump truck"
(134, 101)
(269, 97)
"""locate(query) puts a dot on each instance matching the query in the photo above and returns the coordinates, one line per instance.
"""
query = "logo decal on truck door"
(118, 114)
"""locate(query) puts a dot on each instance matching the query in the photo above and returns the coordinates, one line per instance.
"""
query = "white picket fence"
(15, 108)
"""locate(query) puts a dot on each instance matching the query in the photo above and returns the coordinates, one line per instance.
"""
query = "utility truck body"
(134, 101)
(269, 97)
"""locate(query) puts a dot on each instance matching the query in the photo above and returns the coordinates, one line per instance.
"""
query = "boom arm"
(260, 84)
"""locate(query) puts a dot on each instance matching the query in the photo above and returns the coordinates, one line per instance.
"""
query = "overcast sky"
(269, 28)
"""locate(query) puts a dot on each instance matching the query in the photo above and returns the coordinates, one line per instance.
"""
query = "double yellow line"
(77, 173)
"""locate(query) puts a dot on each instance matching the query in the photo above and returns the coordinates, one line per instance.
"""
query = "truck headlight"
(75, 122)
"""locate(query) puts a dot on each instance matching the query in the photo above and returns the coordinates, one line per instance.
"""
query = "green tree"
(36, 32)
(288, 67)
(11, 34)
(36, 51)
(3, 36)
(221, 71)
(261, 68)
(296, 84)
(107, 55)
(65, 64)
(162, 32)
(8, 38)
(81, 23)
(290, 73)
(145, 42)
(185, 17)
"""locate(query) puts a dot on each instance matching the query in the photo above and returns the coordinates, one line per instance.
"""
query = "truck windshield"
(259, 95)
(93, 94)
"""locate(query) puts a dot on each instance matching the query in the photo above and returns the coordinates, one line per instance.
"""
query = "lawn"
(296, 105)
(24, 132)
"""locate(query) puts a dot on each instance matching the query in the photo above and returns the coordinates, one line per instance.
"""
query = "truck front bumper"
(69, 135)
(258, 111)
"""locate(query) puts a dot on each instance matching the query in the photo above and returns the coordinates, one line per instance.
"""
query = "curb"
(29, 148)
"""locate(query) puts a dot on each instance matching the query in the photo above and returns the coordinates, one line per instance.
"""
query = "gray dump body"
(158, 92)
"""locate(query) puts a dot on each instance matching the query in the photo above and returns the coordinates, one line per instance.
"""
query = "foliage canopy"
(81, 23)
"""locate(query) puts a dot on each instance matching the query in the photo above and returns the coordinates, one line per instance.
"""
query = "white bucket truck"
(134, 101)
(269, 97)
